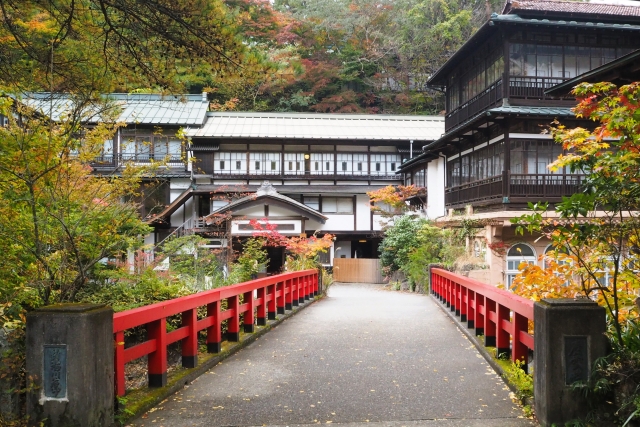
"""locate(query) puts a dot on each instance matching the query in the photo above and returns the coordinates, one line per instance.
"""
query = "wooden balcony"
(526, 90)
(490, 97)
(516, 188)
(113, 161)
(533, 88)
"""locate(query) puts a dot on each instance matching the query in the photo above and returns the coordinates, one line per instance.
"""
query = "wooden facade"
(498, 106)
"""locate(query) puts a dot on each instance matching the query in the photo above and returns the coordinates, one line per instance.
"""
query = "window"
(294, 163)
(534, 156)
(145, 147)
(264, 163)
(487, 162)
(223, 162)
(344, 166)
(312, 201)
(341, 205)
(516, 255)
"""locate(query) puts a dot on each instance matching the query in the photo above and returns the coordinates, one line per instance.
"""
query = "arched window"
(518, 253)
(556, 251)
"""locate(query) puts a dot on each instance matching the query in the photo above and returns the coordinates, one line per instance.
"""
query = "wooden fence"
(357, 270)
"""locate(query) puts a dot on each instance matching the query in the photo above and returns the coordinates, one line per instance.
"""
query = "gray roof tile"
(319, 126)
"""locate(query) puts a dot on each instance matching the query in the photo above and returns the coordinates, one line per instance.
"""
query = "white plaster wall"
(257, 210)
(435, 188)
(342, 248)
(180, 184)
(379, 222)
(281, 211)
(336, 223)
(363, 212)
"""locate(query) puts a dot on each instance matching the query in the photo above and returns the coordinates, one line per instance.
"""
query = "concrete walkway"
(363, 355)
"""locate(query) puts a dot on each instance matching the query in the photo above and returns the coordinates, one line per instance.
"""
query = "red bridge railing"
(262, 300)
(502, 317)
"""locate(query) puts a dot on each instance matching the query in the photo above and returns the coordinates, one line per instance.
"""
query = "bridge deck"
(362, 355)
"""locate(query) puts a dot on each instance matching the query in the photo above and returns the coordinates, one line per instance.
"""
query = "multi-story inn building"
(497, 109)
(304, 173)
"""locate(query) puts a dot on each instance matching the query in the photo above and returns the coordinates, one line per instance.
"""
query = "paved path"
(363, 355)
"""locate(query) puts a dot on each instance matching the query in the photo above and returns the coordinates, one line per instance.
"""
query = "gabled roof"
(138, 108)
(265, 193)
(538, 13)
(620, 71)
(599, 7)
(319, 126)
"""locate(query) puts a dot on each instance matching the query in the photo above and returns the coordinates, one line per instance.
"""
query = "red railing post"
(157, 361)
(249, 317)
(464, 303)
(502, 333)
(214, 332)
(190, 343)
(316, 284)
(281, 296)
(233, 326)
(455, 300)
(262, 308)
(447, 292)
(272, 308)
(489, 325)
(289, 286)
(471, 308)
(295, 291)
(304, 296)
(118, 360)
(481, 309)
(519, 350)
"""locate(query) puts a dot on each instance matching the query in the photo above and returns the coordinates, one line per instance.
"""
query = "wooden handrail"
(262, 299)
(501, 316)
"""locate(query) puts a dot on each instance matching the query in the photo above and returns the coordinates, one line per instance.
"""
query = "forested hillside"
(344, 56)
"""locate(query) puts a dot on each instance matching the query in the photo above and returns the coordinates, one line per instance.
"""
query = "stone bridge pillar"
(569, 337)
(70, 363)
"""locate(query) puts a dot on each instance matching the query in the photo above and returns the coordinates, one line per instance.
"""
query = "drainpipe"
(411, 149)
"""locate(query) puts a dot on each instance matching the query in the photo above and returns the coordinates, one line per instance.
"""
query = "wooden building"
(498, 107)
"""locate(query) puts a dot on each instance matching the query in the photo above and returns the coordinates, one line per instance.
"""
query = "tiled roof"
(320, 126)
(533, 111)
(150, 109)
(153, 109)
(591, 7)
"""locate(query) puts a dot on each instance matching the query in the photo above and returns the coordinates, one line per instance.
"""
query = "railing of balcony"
(544, 185)
(534, 87)
(310, 175)
(487, 98)
(115, 160)
(533, 186)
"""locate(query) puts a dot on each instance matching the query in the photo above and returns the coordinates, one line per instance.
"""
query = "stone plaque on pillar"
(70, 365)
(54, 371)
(576, 359)
(569, 335)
